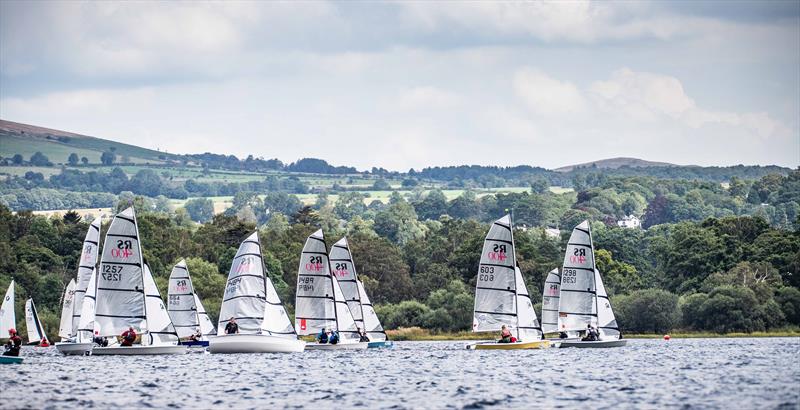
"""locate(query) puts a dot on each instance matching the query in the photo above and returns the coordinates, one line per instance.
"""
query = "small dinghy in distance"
(583, 299)
(344, 269)
(250, 298)
(7, 321)
(185, 309)
(128, 297)
(501, 297)
(320, 303)
(36, 335)
(73, 341)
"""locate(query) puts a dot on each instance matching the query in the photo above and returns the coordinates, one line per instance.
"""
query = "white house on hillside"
(630, 221)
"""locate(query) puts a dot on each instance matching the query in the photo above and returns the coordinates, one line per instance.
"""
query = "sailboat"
(126, 295)
(501, 297)
(250, 298)
(550, 296)
(344, 270)
(320, 303)
(36, 335)
(185, 309)
(8, 321)
(583, 299)
(72, 341)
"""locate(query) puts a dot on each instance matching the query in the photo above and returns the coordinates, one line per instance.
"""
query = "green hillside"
(16, 138)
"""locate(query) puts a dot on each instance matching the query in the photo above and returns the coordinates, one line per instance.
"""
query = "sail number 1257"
(112, 272)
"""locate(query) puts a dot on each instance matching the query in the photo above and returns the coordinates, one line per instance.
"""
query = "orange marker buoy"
(666, 337)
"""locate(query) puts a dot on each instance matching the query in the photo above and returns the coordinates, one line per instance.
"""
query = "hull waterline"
(254, 344)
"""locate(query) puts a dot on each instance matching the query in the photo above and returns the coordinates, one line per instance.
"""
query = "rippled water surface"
(705, 373)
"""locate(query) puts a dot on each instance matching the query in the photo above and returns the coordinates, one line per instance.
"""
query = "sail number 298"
(486, 274)
(112, 272)
(570, 275)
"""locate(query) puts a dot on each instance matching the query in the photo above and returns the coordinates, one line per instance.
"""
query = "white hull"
(139, 350)
(338, 346)
(75, 349)
(254, 344)
(599, 344)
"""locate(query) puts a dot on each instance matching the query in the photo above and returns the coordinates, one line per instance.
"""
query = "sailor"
(195, 336)
(128, 337)
(505, 335)
(101, 341)
(362, 336)
(333, 337)
(14, 343)
(44, 342)
(591, 334)
(231, 328)
(323, 335)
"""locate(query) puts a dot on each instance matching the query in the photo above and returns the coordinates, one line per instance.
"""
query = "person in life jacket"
(14, 343)
(44, 342)
(101, 341)
(323, 335)
(333, 338)
(231, 328)
(128, 337)
(362, 336)
(591, 334)
(505, 335)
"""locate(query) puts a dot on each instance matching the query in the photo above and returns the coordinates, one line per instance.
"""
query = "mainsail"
(85, 328)
(345, 272)
(7, 317)
(372, 325)
(250, 296)
(182, 306)
(86, 267)
(501, 297)
(159, 324)
(206, 325)
(32, 322)
(120, 300)
(319, 301)
(67, 326)
(578, 302)
(550, 296)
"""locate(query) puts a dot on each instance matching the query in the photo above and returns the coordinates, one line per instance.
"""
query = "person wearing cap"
(14, 343)
(323, 335)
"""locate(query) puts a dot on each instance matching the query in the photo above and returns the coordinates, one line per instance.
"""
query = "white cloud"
(546, 95)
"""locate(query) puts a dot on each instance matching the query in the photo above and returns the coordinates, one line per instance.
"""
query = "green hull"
(10, 360)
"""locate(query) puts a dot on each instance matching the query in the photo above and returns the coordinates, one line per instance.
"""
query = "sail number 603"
(486, 273)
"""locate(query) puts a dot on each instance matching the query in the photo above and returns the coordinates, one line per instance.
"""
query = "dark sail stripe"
(496, 313)
(119, 235)
(497, 289)
(577, 267)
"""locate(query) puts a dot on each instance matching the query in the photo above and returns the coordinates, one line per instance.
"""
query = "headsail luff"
(246, 289)
(120, 300)
(372, 325)
(8, 318)
(34, 325)
(528, 327)
(607, 323)
(86, 265)
(577, 303)
(181, 305)
(67, 325)
(550, 297)
(345, 271)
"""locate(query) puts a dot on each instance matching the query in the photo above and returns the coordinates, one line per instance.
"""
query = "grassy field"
(58, 152)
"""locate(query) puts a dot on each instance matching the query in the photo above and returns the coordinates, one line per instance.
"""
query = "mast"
(516, 266)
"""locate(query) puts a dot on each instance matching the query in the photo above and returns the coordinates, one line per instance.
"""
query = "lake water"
(688, 373)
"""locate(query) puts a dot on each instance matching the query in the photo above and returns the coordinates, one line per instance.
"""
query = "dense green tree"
(73, 159)
(200, 209)
(646, 311)
(40, 160)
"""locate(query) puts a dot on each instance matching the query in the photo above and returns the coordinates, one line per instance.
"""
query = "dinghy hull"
(386, 344)
(75, 349)
(195, 343)
(600, 344)
(10, 360)
(536, 344)
(338, 346)
(254, 344)
(139, 350)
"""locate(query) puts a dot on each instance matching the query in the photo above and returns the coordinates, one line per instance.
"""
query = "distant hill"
(16, 138)
(614, 163)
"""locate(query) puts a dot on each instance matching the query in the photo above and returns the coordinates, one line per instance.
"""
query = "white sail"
(577, 305)
(85, 328)
(550, 296)
(120, 300)
(372, 325)
(319, 300)
(345, 272)
(495, 292)
(67, 326)
(159, 324)
(607, 323)
(86, 267)
(206, 325)
(276, 320)
(8, 319)
(528, 328)
(182, 306)
(34, 325)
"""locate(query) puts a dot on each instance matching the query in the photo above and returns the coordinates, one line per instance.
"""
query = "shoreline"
(419, 335)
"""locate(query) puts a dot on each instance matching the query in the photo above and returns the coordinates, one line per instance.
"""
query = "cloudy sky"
(414, 84)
